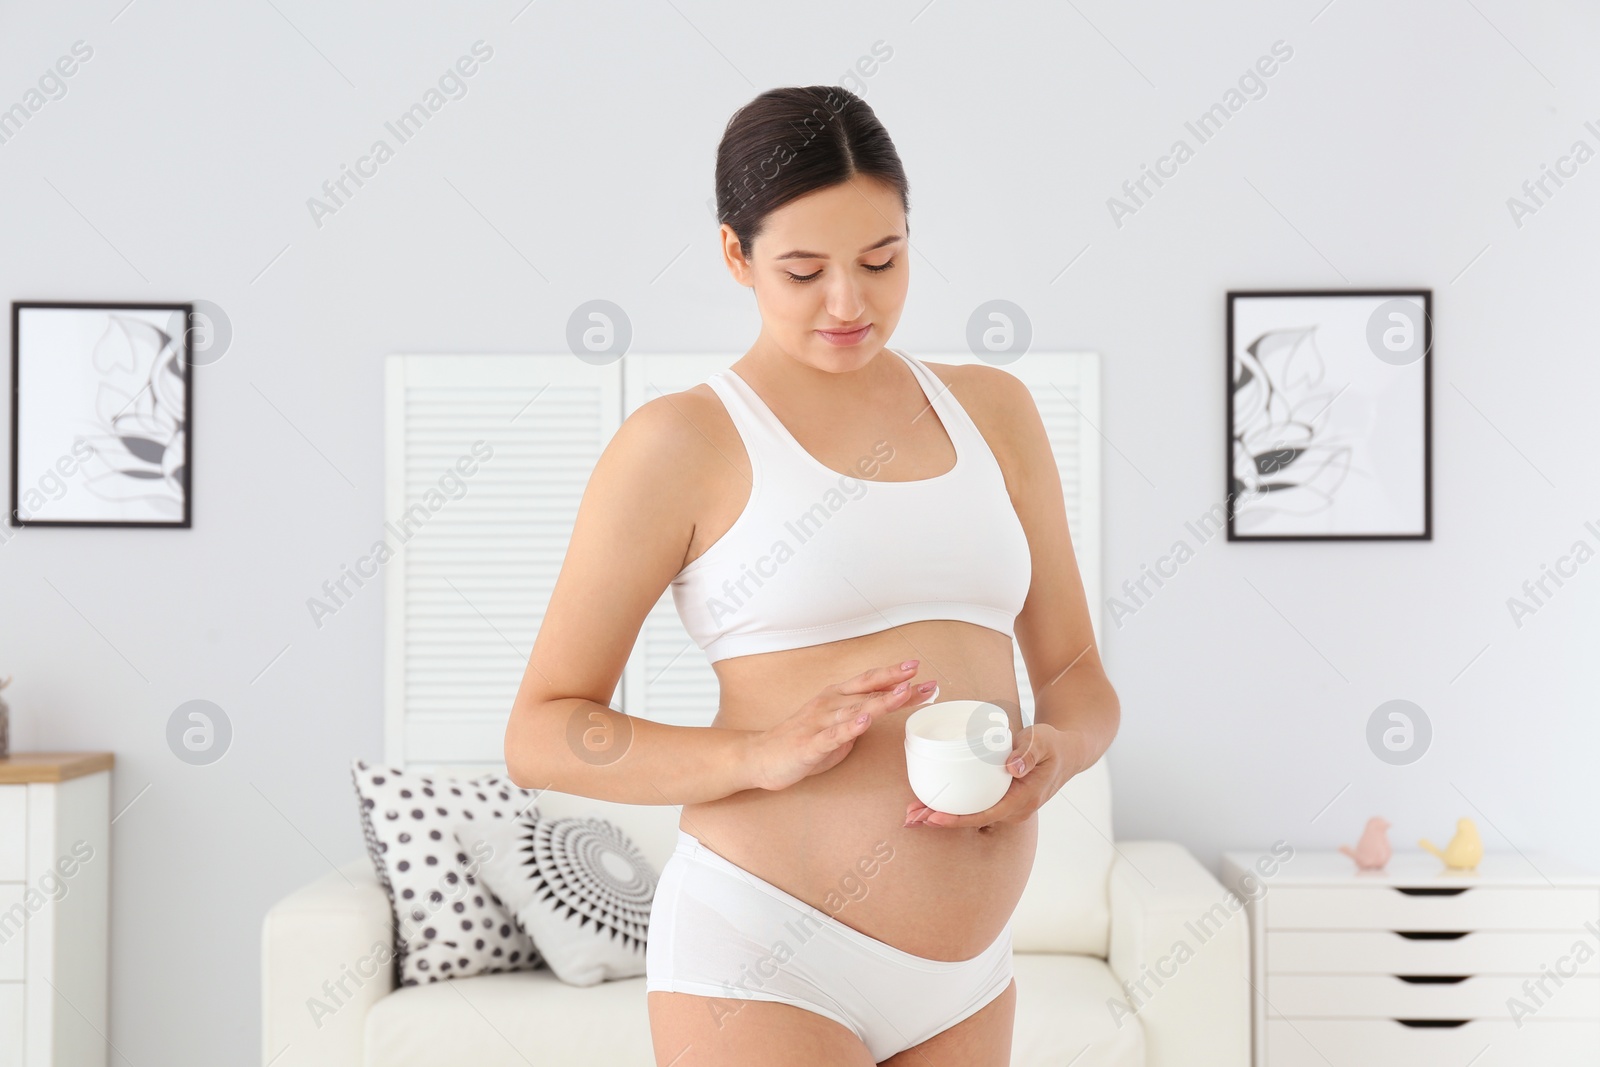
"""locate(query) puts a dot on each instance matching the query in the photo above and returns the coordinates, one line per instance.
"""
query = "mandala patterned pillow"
(448, 924)
(579, 886)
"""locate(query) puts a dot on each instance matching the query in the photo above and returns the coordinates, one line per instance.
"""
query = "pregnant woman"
(849, 534)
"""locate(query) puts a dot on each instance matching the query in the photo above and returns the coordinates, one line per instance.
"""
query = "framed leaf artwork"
(101, 414)
(1329, 415)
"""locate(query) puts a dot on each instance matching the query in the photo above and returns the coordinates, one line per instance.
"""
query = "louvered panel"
(473, 570)
(1066, 390)
(668, 678)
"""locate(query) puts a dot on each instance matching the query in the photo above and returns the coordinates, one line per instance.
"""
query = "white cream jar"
(956, 754)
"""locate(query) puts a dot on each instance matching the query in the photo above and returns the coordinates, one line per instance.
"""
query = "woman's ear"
(733, 255)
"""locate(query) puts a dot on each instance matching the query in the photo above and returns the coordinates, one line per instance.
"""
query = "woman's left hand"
(1042, 760)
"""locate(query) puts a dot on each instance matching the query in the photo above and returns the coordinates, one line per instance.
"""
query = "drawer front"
(13, 1044)
(1386, 952)
(1381, 907)
(1388, 996)
(13, 833)
(13, 933)
(1386, 1043)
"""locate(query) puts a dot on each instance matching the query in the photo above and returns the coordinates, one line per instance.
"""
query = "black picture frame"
(1242, 494)
(145, 458)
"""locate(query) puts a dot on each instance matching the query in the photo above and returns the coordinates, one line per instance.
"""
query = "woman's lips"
(854, 337)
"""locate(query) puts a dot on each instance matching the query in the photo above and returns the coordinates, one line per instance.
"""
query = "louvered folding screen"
(475, 565)
(467, 590)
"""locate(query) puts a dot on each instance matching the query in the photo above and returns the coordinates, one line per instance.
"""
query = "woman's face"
(825, 264)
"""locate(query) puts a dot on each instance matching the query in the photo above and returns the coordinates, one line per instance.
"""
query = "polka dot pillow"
(448, 923)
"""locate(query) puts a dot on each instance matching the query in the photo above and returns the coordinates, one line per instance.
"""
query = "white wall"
(578, 166)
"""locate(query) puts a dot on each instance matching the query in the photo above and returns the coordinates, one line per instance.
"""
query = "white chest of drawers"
(55, 863)
(1419, 965)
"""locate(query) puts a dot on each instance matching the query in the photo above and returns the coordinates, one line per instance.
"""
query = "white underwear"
(719, 931)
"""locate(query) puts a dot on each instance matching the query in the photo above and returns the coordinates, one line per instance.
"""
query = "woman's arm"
(1075, 710)
(1070, 689)
(580, 746)
(629, 539)
(1053, 631)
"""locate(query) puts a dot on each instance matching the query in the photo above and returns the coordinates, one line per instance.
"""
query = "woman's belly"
(837, 840)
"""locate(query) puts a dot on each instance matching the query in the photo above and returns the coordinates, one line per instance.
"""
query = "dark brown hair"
(795, 140)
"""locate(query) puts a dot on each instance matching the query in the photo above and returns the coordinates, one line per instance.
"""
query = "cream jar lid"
(958, 730)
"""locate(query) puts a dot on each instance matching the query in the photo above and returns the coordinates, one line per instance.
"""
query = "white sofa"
(1094, 916)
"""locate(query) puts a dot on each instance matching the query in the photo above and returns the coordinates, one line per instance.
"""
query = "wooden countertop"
(51, 766)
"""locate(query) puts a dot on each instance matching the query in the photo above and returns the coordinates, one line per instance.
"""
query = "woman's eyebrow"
(891, 239)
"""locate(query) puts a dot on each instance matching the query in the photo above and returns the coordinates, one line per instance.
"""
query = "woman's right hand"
(825, 728)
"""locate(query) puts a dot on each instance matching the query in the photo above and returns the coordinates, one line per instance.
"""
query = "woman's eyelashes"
(809, 277)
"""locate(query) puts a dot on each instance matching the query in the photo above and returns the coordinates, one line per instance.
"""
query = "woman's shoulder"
(669, 427)
(989, 393)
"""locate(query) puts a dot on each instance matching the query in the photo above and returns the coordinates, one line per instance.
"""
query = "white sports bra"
(819, 556)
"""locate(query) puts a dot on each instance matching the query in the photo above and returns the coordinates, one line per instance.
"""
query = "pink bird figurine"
(1372, 851)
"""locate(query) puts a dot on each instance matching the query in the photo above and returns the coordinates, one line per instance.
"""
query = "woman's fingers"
(1001, 811)
(881, 689)
(877, 678)
(897, 696)
(851, 719)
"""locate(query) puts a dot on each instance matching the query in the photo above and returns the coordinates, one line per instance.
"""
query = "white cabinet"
(1418, 964)
(55, 865)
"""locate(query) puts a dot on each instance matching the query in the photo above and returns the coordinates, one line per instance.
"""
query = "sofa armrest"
(1180, 948)
(327, 953)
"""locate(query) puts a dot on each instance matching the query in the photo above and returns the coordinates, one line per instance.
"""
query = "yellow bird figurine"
(1464, 850)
